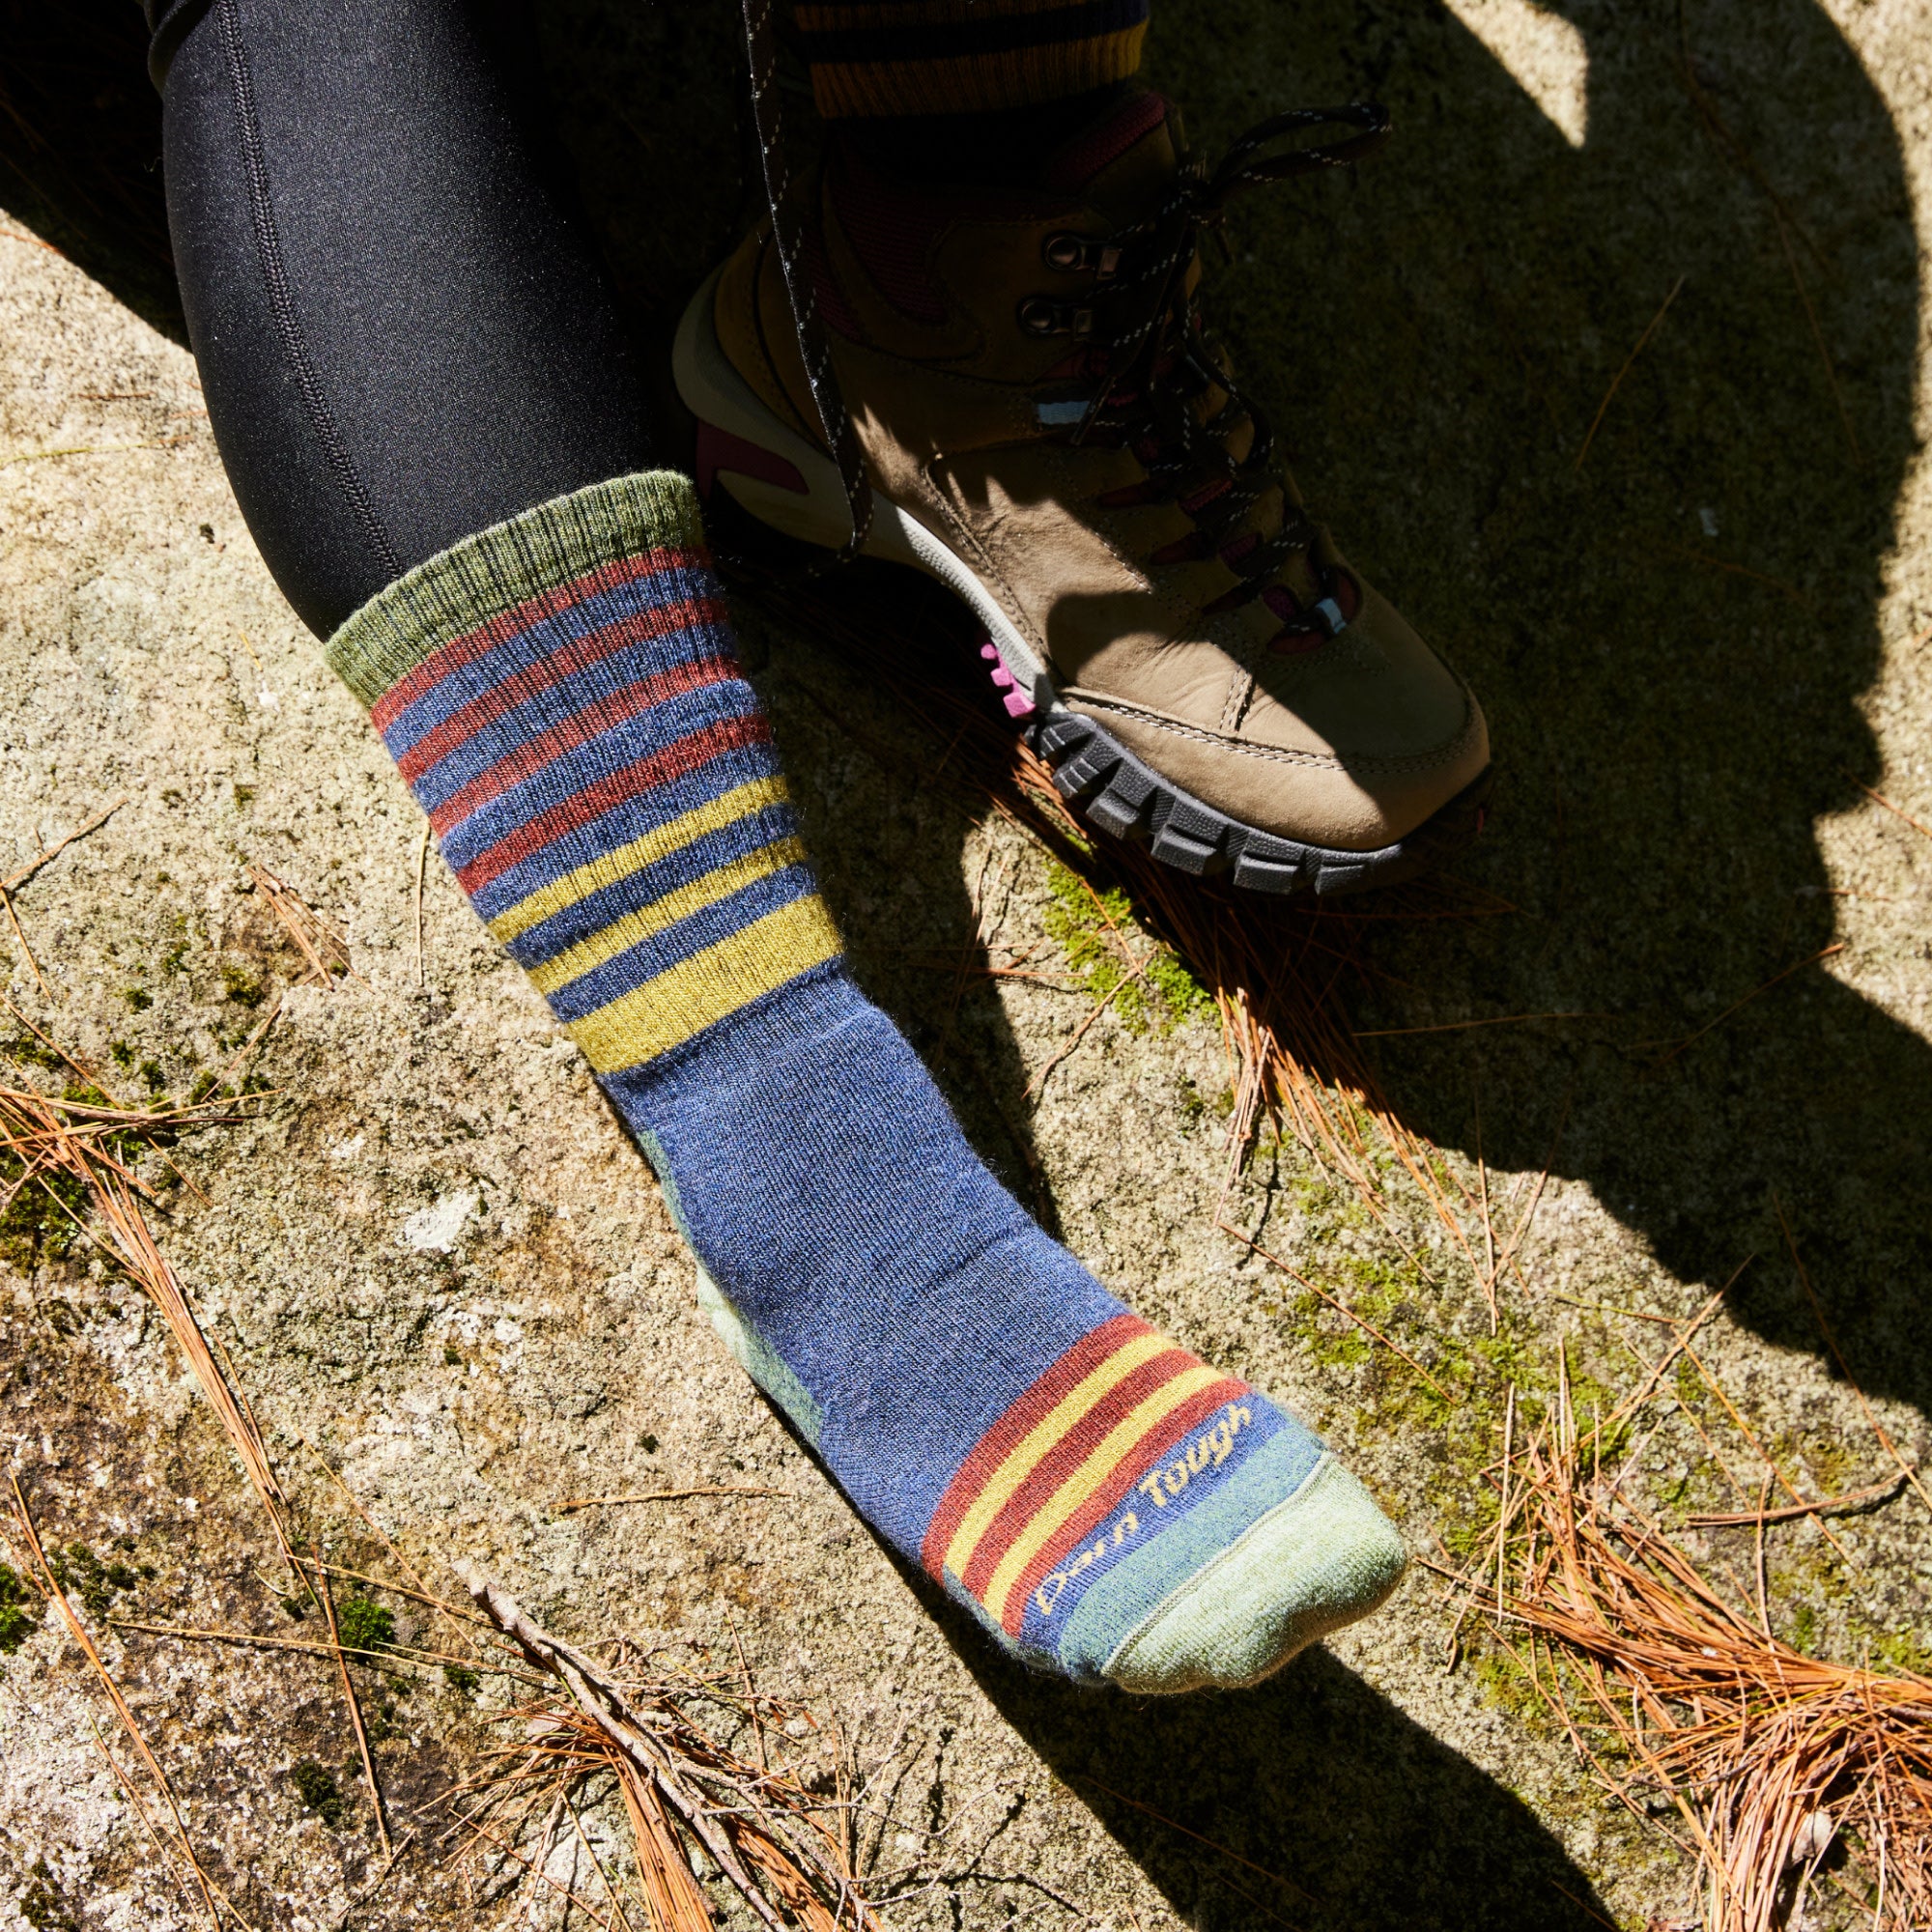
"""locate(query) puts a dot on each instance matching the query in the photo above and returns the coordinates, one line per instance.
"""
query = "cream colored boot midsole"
(715, 393)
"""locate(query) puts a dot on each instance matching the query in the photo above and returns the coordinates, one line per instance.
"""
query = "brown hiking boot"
(1047, 431)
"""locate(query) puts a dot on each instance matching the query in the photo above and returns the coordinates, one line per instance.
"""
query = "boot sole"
(791, 485)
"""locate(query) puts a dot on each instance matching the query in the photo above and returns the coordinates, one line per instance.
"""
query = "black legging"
(402, 333)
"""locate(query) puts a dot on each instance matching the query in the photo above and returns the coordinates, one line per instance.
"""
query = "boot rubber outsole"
(793, 487)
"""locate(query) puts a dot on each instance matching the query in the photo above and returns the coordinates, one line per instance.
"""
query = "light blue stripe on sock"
(1126, 1594)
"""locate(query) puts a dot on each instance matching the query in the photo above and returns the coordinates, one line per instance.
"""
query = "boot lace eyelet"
(1072, 253)
(1038, 315)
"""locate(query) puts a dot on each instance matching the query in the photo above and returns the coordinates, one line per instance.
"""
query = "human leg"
(561, 694)
(402, 334)
(559, 688)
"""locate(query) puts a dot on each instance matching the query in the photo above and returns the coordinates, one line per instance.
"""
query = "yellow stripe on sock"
(740, 802)
(1118, 1443)
(622, 934)
(1025, 1454)
(976, 83)
(681, 1001)
(821, 17)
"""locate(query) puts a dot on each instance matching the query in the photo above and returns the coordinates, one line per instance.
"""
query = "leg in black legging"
(402, 333)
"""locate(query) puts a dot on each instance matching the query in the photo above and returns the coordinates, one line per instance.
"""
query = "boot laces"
(1151, 364)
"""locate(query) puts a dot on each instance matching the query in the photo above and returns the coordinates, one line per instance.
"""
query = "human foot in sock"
(563, 697)
(1047, 431)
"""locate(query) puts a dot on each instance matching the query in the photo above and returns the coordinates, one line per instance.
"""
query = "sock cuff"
(888, 57)
(561, 696)
(482, 580)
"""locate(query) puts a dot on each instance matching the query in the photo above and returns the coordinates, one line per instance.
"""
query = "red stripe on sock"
(1064, 1457)
(675, 760)
(993, 1448)
(507, 624)
(1111, 1494)
(571, 733)
(635, 627)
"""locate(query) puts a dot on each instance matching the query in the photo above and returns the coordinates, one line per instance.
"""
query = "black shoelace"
(1150, 362)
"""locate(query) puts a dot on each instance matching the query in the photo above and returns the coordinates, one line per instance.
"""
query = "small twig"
(1464, 1026)
(534, 1867)
(1855, 1499)
(422, 867)
(16, 880)
(108, 449)
(750, 1692)
(313, 933)
(1581, 1906)
(44, 1578)
(1730, 569)
(421, 1591)
(970, 972)
(1039, 1080)
(1765, 1456)
(1691, 1039)
(597, 1866)
(1628, 361)
(80, 1066)
(129, 1243)
(1824, 354)
(407, 1653)
(249, 1044)
(1508, 1256)
(327, 1600)
(127, 1787)
(1201, 1838)
(1488, 1225)
(421, 1595)
(1878, 797)
(1685, 1332)
(7, 902)
(1341, 1307)
(1503, 1497)
(1605, 1307)
(369, 1889)
(1877, 1428)
(1715, 125)
(570, 1503)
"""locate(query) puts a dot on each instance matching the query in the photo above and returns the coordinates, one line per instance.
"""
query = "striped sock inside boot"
(562, 695)
(891, 57)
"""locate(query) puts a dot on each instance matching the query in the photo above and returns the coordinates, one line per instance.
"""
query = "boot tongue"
(1121, 161)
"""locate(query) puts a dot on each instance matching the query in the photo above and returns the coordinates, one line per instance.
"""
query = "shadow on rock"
(81, 147)
(1308, 1800)
(1673, 633)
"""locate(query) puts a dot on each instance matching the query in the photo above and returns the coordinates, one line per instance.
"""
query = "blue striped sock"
(562, 695)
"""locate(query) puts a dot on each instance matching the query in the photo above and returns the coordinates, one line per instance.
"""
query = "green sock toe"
(1320, 1560)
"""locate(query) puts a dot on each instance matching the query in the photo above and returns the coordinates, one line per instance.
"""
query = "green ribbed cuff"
(485, 576)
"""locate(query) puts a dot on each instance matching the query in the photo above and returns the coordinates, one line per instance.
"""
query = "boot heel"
(745, 449)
